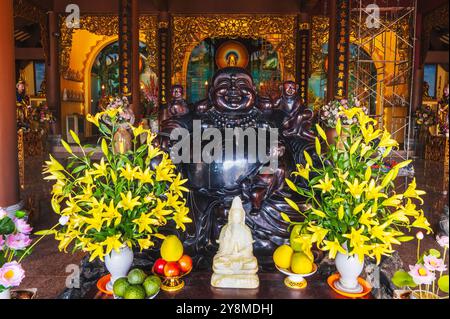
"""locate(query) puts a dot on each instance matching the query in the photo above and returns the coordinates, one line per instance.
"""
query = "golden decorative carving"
(438, 17)
(188, 31)
(100, 25)
(319, 37)
(30, 145)
(108, 25)
(148, 26)
(304, 26)
(163, 25)
(30, 12)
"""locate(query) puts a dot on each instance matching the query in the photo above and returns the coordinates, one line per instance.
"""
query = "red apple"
(185, 263)
(159, 266)
(172, 269)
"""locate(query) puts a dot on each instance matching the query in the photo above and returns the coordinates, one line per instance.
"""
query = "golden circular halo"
(232, 54)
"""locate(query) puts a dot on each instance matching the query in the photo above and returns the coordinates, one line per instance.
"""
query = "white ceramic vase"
(6, 294)
(349, 268)
(118, 264)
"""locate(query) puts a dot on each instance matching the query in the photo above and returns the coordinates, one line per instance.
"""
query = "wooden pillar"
(304, 40)
(9, 166)
(125, 35)
(331, 49)
(338, 49)
(53, 76)
(135, 81)
(164, 64)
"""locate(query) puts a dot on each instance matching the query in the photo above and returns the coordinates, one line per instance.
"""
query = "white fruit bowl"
(296, 281)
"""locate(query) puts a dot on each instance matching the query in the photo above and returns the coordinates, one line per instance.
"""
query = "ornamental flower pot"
(118, 264)
(331, 135)
(5, 294)
(349, 268)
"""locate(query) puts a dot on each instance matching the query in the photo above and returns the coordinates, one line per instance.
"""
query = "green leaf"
(67, 147)
(21, 214)
(78, 169)
(434, 252)
(443, 283)
(405, 238)
(7, 226)
(75, 137)
(402, 279)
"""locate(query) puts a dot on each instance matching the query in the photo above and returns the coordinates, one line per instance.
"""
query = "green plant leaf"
(7, 226)
(402, 279)
(434, 252)
(443, 283)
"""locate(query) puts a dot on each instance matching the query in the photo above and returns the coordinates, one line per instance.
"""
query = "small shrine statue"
(426, 91)
(178, 105)
(234, 265)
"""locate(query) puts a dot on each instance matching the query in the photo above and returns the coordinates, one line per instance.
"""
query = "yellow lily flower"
(52, 166)
(101, 169)
(176, 186)
(180, 217)
(369, 134)
(386, 140)
(409, 209)
(160, 212)
(145, 222)
(378, 250)
(386, 237)
(350, 113)
(342, 177)
(422, 222)
(333, 247)
(94, 119)
(360, 251)
(356, 237)
(164, 169)
(302, 171)
(326, 184)
(364, 149)
(139, 130)
(366, 219)
(412, 192)
(127, 202)
(95, 250)
(112, 242)
(145, 177)
(318, 233)
(373, 191)
(129, 173)
(145, 243)
(358, 208)
(393, 201)
(355, 189)
(111, 213)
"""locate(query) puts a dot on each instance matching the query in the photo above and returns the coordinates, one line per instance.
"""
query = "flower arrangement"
(121, 200)
(120, 108)
(150, 98)
(14, 246)
(331, 112)
(353, 209)
(427, 273)
(425, 116)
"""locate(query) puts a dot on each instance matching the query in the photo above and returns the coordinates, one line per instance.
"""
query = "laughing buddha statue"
(234, 265)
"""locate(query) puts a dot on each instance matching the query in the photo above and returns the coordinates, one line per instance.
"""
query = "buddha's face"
(236, 216)
(177, 92)
(289, 89)
(21, 87)
(233, 92)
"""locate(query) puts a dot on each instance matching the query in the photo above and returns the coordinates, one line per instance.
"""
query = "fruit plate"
(150, 297)
(171, 283)
(367, 288)
(296, 281)
(101, 284)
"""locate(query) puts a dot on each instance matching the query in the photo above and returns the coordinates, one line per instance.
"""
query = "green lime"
(296, 244)
(136, 276)
(151, 285)
(134, 292)
(120, 285)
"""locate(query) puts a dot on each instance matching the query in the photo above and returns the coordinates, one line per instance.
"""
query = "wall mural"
(258, 56)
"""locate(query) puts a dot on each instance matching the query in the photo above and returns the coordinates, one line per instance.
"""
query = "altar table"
(271, 287)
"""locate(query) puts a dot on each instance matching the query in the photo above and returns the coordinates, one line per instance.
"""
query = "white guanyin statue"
(234, 265)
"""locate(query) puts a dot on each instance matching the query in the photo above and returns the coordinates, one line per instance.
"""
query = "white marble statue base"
(235, 281)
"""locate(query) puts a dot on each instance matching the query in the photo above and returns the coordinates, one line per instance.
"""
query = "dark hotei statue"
(178, 105)
(233, 104)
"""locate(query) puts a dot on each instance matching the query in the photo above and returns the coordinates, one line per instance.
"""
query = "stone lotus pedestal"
(234, 265)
